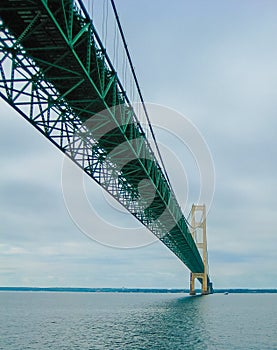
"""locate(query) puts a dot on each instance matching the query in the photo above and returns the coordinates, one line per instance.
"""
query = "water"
(136, 321)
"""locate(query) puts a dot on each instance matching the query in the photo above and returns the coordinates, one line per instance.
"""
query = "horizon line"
(132, 289)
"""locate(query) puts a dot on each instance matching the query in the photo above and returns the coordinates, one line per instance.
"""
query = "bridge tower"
(199, 234)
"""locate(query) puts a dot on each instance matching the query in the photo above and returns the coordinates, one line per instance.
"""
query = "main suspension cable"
(138, 88)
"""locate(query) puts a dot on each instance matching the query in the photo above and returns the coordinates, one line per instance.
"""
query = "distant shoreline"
(128, 290)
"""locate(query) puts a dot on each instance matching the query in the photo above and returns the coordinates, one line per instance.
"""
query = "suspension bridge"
(56, 73)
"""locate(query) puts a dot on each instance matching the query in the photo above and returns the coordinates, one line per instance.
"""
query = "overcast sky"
(214, 62)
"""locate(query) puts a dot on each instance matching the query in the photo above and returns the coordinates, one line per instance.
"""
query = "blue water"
(34, 320)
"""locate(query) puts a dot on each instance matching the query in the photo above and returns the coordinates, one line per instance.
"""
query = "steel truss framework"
(55, 72)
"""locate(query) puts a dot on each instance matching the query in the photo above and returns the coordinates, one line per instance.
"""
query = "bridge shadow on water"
(169, 323)
(180, 324)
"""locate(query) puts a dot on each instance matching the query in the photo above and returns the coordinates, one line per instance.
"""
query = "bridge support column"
(198, 231)
(204, 278)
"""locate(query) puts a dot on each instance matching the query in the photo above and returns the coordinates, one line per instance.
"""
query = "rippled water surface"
(136, 321)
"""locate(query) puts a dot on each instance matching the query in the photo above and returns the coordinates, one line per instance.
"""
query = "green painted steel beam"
(58, 70)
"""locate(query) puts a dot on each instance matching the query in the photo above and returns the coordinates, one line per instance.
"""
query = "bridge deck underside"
(61, 80)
